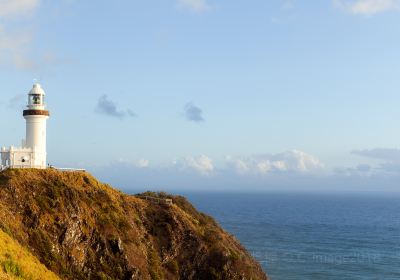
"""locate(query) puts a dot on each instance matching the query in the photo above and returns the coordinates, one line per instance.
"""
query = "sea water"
(313, 236)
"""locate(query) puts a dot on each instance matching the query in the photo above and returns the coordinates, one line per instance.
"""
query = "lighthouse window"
(35, 99)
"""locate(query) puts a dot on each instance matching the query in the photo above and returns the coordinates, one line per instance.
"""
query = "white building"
(32, 154)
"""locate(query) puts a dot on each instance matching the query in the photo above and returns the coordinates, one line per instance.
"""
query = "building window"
(35, 99)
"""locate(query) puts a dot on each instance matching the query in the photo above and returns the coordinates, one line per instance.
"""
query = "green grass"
(10, 267)
(16, 263)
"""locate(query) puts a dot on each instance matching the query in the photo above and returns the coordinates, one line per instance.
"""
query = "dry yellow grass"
(76, 225)
(17, 263)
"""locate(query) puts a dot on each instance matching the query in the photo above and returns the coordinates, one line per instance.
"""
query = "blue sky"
(210, 94)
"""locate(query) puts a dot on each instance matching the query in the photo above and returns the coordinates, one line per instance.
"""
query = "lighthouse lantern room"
(32, 154)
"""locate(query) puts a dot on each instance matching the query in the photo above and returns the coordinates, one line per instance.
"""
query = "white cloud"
(368, 7)
(12, 8)
(380, 153)
(241, 166)
(17, 102)
(142, 163)
(15, 42)
(288, 4)
(360, 171)
(132, 164)
(291, 161)
(14, 47)
(390, 159)
(288, 170)
(194, 5)
(202, 164)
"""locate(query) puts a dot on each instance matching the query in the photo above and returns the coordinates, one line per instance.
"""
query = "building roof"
(37, 89)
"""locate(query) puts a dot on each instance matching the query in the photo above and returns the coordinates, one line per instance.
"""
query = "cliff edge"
(80, 228)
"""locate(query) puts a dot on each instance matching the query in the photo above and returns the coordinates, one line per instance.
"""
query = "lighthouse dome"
(37, 89)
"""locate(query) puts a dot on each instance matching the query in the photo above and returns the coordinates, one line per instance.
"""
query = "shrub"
(173, 267)
(12, 268)
(211, 236)
(234, 256)
(154, 266)
(103, 276)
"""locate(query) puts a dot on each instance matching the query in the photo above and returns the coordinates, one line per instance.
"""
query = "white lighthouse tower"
(33, 152)
(36, 117)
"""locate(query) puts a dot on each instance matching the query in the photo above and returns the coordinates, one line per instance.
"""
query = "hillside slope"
(82, 229)
(17, 263)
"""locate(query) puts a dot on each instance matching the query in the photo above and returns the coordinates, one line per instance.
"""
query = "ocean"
(313, 236)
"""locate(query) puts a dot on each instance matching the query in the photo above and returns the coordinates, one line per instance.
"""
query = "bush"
(39, 239)
(103, 276)
(234, 256)
(173, 267)
(12, 268)
(154, 266)
(211, 236)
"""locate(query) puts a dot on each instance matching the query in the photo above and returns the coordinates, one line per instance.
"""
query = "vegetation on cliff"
(80, 228)
(17, 263)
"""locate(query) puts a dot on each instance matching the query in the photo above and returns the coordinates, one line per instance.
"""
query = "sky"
(210, 95)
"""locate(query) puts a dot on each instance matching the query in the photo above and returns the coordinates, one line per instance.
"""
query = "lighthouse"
(33, 153)
(36, 117)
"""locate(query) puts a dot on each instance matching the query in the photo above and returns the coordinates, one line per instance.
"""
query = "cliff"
(80, 228)
(17, 263)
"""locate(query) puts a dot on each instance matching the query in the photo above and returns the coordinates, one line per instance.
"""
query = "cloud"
(294, 170)
(291, 162)
(288, 4)
(368, 7)
(16, 37)
(360, 171)
(194, 5)
(193, 113)
(132, 164)
(50, 58)
(17, 26)
(288, 171)
(287, 162)
(109, 108)
(17, 102)
(142, 163)
(202, 164)
(15, 47)
(12, 8)
(130, 113)
(392, 155)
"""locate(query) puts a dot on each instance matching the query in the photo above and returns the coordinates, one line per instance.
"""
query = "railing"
(163, 201)
(3, 168)
(20, 167)
(69, 169)
(16, 166)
